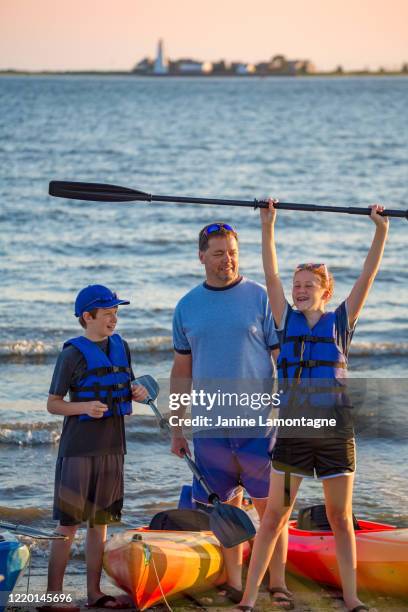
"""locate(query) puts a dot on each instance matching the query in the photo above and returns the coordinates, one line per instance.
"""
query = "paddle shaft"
(30, 531)
(99, 192)
(351, 210)
(164, 424)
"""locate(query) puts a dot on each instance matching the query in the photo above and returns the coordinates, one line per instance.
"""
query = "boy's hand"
(139, 393)
(95, 409)
(178, 442)
(379, 220)
(268, 215)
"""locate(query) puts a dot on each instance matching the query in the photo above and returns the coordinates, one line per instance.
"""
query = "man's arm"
(180, 382)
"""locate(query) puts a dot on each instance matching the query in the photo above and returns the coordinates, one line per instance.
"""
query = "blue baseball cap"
(96, 296)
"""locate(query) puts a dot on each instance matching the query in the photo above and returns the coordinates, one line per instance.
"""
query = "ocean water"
(340, 142)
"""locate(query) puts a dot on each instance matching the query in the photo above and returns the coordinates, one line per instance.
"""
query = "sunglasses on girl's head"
(216, 227)
(313, 266)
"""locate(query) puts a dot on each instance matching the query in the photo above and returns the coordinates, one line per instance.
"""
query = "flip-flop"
(282, 603)
(102, 601)
(225, 596)
(360, 608)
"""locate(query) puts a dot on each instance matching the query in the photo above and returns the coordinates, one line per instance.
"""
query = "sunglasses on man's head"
(216, 227)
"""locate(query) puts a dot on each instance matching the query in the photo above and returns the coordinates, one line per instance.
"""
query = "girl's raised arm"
(362, 286)
(274, 287)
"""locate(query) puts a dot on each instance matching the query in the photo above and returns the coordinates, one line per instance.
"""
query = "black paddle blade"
(231, 525)
(96, 192)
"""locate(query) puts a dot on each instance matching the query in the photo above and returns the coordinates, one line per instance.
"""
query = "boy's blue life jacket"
(311, 364)
(107, 378)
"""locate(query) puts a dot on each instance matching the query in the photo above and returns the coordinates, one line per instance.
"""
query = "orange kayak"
(382, 557)
(149, 564)
(153, 564)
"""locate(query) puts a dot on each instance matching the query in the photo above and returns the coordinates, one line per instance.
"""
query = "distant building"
(279, 63)
(276, 66)
(160, 64)
(263, 68)
(191, 67)
(145, 66)
(280, 66)
(221, 68)
(244, 69)
(300, 67)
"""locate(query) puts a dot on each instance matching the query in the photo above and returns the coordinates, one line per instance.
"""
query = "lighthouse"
(160, 64)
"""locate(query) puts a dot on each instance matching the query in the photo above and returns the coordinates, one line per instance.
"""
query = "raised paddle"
(36, 534)
(230, 524)
(99, 192)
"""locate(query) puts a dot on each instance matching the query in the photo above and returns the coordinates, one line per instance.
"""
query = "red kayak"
(382, 557)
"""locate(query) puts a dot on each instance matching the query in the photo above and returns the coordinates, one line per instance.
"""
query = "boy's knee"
(67, 530)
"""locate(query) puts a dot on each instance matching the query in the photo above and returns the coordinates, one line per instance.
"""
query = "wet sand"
(309, 597)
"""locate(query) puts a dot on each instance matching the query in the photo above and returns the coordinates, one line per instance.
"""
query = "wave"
(23, 515)
(38, 348)
(369, 349)
(142, 429)
(29, 434)
(21, 349)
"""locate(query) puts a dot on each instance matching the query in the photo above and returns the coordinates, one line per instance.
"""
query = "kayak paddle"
(36, 534)
(99, 192)
(230, 524)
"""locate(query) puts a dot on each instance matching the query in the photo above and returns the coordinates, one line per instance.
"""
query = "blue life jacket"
(107, 378)
(311, 363)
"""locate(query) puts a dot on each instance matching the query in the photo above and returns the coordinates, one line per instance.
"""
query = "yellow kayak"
(150, 565)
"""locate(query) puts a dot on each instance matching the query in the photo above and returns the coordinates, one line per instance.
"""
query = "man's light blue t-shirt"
(229, 331)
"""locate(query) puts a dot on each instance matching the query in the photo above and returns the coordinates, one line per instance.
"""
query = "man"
(223, 329)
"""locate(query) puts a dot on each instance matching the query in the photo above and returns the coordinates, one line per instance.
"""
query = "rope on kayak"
(159, 584)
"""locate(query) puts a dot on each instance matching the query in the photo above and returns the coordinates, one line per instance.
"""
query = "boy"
(96, 371)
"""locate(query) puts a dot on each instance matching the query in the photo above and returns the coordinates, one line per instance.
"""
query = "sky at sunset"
(115, 34)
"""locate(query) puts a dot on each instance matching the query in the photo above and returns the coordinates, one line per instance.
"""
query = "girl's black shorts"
(307, 457)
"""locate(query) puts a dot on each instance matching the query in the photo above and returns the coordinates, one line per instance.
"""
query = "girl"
(313, 339)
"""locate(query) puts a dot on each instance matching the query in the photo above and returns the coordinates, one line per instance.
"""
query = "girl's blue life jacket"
(107, 378)
(311, 366)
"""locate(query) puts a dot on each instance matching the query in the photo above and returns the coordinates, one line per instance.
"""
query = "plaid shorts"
(88, 489)
(229, 463)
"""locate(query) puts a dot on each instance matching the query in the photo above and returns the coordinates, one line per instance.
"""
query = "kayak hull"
(14, 557)
(153, 565)
(149, 564)
(382, 557)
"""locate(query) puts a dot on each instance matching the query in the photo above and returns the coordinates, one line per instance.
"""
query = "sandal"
(225, 596)
(282, 603)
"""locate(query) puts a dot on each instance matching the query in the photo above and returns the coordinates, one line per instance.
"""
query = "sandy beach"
(309, 597)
